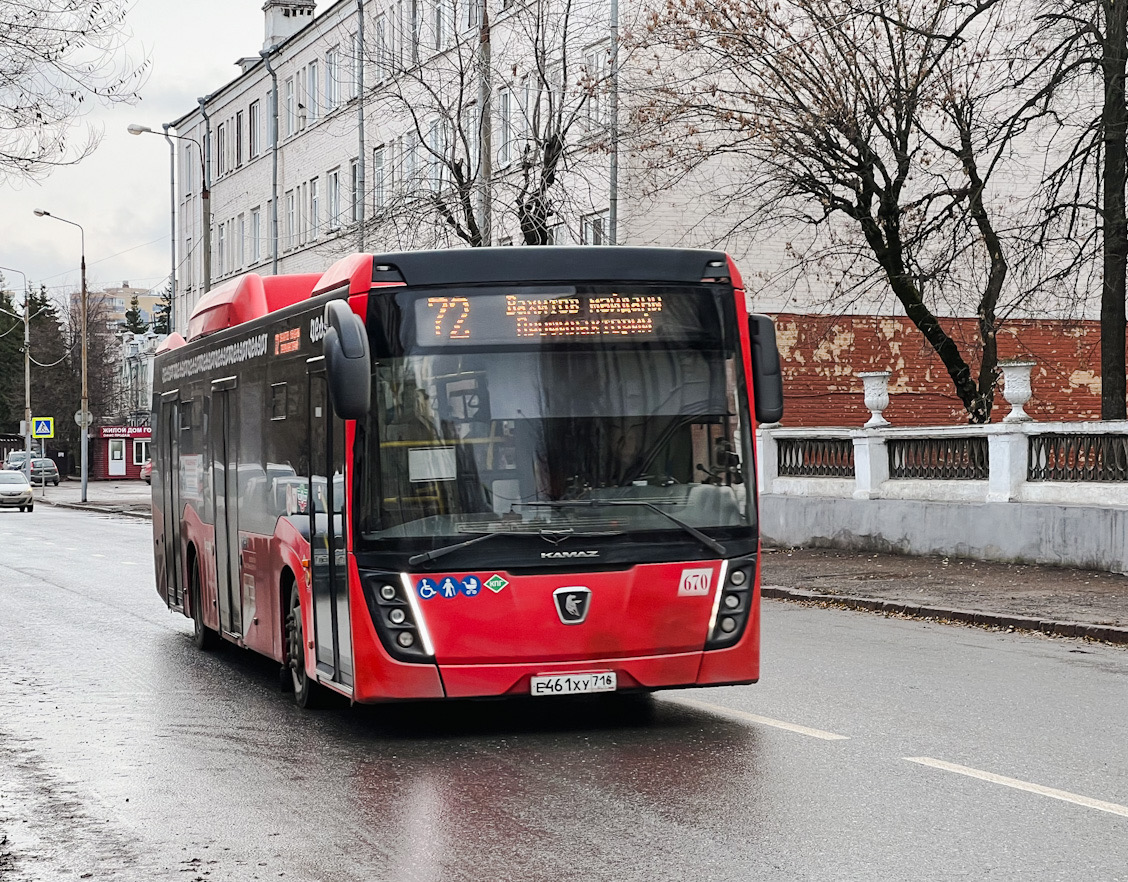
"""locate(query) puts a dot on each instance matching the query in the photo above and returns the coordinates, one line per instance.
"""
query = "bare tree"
(540, 73)
(881, 134)
(57, 59)
(1081, 71)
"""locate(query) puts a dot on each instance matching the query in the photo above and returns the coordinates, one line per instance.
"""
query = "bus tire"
(203, 636)
(307, 693)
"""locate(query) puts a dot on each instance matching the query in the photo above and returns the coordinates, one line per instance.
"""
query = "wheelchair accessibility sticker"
(448, 587)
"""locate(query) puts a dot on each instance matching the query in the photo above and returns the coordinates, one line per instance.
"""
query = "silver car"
(15, 491)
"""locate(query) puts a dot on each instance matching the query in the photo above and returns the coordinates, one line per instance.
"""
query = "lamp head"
(39, 212)
(135, 129)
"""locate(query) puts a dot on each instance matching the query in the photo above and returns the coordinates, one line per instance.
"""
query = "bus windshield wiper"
(458, 546)
(707, 541)
(551, 535)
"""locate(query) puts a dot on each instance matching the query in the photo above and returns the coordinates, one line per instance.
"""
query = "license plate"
(574, 684)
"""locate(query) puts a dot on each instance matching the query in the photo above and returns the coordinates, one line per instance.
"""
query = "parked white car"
(15, 491)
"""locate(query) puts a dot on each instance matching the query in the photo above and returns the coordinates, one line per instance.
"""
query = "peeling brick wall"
(822, 356)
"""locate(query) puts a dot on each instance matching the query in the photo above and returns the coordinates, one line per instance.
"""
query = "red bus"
(478, 472)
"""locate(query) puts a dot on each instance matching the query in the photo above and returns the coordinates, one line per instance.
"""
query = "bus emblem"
(572, 604)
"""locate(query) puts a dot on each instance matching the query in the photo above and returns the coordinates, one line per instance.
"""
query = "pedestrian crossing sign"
(43, 427)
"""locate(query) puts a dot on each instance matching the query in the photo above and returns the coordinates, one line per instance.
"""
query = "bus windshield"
(592, 412)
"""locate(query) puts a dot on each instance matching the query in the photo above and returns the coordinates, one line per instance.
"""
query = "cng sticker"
(495, 583)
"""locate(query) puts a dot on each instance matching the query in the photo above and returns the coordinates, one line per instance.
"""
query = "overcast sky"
(120, 194)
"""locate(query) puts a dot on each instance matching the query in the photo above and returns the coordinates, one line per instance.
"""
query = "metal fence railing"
(816, 457)
(1078, 457)
(945, 458)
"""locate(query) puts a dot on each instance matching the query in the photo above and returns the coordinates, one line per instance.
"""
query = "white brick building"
(330, 186)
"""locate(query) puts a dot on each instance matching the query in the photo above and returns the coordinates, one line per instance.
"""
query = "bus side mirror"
(348, 365)
(767, 378)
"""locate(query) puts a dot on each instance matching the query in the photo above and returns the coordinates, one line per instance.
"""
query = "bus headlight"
(394, 617)
(733, 606)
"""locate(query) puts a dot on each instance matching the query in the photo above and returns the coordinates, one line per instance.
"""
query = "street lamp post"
(205, 200)
(85, 409)
(27, 371)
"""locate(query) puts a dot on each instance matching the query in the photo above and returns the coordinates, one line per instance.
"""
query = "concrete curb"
(1105, 633)
(99, 507)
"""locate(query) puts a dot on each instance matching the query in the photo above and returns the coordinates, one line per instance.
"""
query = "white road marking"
(744, 717)
(1077, 799)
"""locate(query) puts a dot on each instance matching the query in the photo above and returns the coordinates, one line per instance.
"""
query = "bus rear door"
(169, 477)
(224, 432)
(328, 564)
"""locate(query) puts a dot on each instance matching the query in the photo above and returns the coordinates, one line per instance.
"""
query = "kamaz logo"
(567, 555)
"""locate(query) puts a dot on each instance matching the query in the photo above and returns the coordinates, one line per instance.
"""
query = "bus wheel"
(307, 693)
(203, 636)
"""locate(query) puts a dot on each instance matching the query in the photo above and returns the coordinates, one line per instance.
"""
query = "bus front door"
(224, 431)
(168, 475)
(328, 562)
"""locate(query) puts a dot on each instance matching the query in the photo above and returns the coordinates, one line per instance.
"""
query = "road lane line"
(1077, 799)
(744, 717)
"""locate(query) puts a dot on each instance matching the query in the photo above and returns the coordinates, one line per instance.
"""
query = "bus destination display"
(529, 317)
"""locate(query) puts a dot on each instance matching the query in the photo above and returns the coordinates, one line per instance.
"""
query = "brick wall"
(822, 356)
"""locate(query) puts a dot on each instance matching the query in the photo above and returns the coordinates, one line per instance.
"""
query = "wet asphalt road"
(872, 749)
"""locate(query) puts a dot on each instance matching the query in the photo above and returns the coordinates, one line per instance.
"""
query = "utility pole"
(205, 193)
(613, 196)
(485, 130)
(85, 411)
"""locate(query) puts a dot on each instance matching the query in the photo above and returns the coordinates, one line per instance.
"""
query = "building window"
(416, 7)
(332, 78)
(379, 185)
(254, 119)
(256, 235)
(410, 161)
(189, 257)
(333, 194)
(238, 139)
(313, 87)
(357, 61)
(444, 23)
(241, 256)
(221, 148)
(187, 168)
(383, 67)
(472, 137)
(288, 105)
(221, 248)
(354, 191)
(291, 221)
(594, 229)
(436, 155)
(314, 208)
(595, 64)
(302, 198)
(505, 145)
(140, 451)
(472, 14)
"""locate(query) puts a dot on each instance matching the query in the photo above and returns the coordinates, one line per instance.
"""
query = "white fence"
(1018, 491)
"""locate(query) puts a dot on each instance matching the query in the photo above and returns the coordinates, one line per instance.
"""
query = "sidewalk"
(131, 497)
(1053, 600)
